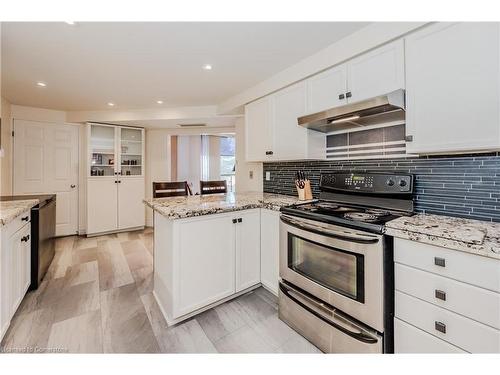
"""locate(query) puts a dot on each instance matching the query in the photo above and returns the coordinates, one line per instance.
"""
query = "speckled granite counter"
(198, 205)
(471, 236)
(9, 210)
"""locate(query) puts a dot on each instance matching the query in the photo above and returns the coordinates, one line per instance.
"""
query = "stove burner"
(368, 216)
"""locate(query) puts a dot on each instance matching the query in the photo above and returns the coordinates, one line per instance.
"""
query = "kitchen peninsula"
(209, 249)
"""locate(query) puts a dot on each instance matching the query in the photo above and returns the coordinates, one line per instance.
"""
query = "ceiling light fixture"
(345, 119)
(207, 67)
(159, 101)
(41, 84)
(111, 104)
(70, 22)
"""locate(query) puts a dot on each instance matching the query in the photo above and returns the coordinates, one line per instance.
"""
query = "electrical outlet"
(268, 176)
(250, 174)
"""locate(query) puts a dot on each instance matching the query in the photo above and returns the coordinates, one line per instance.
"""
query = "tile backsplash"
(459, 185)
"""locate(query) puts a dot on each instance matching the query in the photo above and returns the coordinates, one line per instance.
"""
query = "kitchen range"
(336, 264)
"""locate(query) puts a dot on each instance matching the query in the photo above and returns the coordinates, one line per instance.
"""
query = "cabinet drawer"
(18, 222)
(409, 339)
(453, 295)
(463, 332)
(468, 268)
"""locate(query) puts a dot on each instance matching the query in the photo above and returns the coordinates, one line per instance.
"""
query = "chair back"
(213, 187)
(171, 189)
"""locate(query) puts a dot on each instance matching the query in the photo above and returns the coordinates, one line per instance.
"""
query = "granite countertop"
(198, 205)
(471, 236)
(9, 210)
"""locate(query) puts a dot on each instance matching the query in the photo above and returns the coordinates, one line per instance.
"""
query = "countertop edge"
(18, 211)
(446, 243)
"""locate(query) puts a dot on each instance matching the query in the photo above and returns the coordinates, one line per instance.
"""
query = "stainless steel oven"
(332, 284)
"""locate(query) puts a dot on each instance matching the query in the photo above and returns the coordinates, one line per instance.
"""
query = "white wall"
(6, 153)
(243, 169)
(213, 158)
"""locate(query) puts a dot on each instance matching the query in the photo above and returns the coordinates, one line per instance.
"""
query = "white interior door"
(46, 162)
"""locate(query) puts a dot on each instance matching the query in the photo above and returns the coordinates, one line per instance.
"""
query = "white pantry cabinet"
(200, 261)
(272, 131)
(452, 88)
(269, 249)
(15, 268)
(115, 182)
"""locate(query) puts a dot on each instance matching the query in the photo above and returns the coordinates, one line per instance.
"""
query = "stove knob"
(390, 182)
(402, 183)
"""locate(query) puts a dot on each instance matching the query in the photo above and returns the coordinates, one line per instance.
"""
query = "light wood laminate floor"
(97, 298)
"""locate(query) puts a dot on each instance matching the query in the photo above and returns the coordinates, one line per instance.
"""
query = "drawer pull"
(26, 218)
(25, 238)
(439, 294)
(441, 262)
(439, 326)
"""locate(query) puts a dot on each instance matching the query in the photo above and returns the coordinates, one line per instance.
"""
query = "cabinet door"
(204, 260)
(102, 205)
(131, 149)
(19, 266)
(247, 249)
(269, 249)
(327, 90)
(289, 139)
(5, 282)
(452, 76)
(377, 72)
(258, 133)
(102, 150)
(131, 211)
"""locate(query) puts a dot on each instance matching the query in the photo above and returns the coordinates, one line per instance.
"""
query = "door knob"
(73, 186)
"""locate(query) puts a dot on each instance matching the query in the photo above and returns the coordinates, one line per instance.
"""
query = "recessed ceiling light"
(41, 84)
(159, 101)
(70, 22)
(207, 67)
(111, 104)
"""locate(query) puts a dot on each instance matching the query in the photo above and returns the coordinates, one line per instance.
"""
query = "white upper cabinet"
(258, 132)
(452, 83)
(272, 131)
(376, 73)
(327, 89)
(289, 140)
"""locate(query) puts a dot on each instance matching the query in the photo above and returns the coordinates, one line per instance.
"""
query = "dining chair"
(171, 189)
(213, 187)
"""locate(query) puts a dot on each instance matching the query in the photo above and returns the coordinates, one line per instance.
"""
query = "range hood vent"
(379, 110)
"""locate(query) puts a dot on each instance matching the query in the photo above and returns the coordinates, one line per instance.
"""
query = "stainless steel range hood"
(374, 111)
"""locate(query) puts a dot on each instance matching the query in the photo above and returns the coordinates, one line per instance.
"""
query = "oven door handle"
(328, 233)
(337, 322)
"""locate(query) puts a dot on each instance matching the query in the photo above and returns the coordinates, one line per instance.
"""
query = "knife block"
(304, 193)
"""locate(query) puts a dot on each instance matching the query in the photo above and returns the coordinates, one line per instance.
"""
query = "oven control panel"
(375, 183)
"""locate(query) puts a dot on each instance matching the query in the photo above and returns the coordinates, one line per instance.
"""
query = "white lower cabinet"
(269, 249)
(247, 249)
(203, 260)
(445, 300)
(114, 203)
(15, 269)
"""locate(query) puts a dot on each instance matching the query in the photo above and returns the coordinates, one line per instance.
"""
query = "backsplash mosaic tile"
(459, 185)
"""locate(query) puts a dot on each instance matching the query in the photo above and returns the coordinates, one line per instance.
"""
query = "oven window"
(335, 269)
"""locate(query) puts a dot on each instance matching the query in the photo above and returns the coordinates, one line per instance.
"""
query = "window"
(228, 161)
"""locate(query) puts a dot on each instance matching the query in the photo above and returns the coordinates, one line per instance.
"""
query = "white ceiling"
(88, 65)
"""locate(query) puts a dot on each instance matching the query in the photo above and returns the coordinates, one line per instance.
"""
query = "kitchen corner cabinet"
(115, 178)
(202, 260)
(272, 132)
(452, 88)
(269, 249)
(15, 267)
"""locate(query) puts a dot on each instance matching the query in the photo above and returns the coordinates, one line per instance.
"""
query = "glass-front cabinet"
(115, 150)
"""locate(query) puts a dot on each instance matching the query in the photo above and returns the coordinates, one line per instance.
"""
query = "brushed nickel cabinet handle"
(441, 262)
(439, 326)
(439, 294)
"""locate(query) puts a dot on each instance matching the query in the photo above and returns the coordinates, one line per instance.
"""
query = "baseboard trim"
(115, 231)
